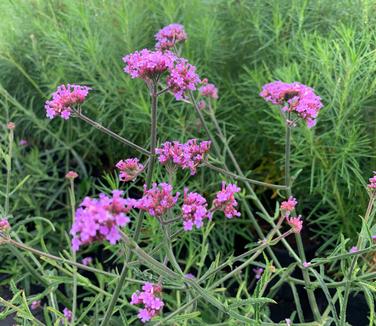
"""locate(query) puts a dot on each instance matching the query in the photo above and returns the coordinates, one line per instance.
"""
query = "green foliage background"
(239, 45)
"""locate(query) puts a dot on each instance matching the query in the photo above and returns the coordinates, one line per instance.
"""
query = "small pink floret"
(209, 90)
(169, 35)
(289, 205)
(35, 305)
(4, 224)
(372, 181)
(296, 223)
(67, 314)
(71, 175)
(258, 272)
(129, 169)
(225, 200)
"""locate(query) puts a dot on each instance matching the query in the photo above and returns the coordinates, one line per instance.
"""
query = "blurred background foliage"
(239, 45)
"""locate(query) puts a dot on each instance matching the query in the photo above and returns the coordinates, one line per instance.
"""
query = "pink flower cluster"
(372, 181)
(129, 169)
(296, 223)
(194, 210)
(258, 272)
(4, 224)
(64, 98)
(208, 90)
(148, 64)
(225, 200)
(87, 261)
(35, 305)
(150, 297)
(294, 97)
(169, 35)
(182, 77)
(157, 200)
(67, 314)
(98, 219)
(188, 155)
(289, 205)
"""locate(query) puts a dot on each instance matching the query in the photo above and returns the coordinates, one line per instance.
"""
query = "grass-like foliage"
(226, 249)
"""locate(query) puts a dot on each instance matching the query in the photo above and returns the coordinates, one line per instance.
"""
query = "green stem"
(241, 178)
(111, 133)
(9, 171)
(74, 258)
(353, 264)
(310, 292)
(149, 176)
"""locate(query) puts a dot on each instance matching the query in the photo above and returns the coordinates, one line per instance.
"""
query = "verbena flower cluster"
(294, 97)
(208, 90)
(4, 224)
(170, 35)
(372, 181)
(67, 314)
(99, 219)
(225, 200)
(35, 305)
(157, 200)
(188, 155)
(289, 205)
(194, 210)
(147, 64)
(129, 169)
(150, 297)
(287, 208)
(182, 78)
(63, 100)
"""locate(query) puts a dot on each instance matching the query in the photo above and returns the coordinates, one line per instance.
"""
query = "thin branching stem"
(111, 133)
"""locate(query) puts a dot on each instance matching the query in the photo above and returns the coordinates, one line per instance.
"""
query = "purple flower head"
(208, 90)
(87, 261)
(150, 297)
(306, 264)
(294, 97)
(353, 250)
(64, 99)
(225, 200)
(35, 305)
(188, 155)
(4, 224)
(157, 200)
(194, 210)
(129, 169)
(182, 78)
(67, 314)
(258, 272)
(99, 219)
(148, 64)
(169, 35)
(23, 142)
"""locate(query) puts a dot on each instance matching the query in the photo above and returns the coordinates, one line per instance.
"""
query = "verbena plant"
(168, 277)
